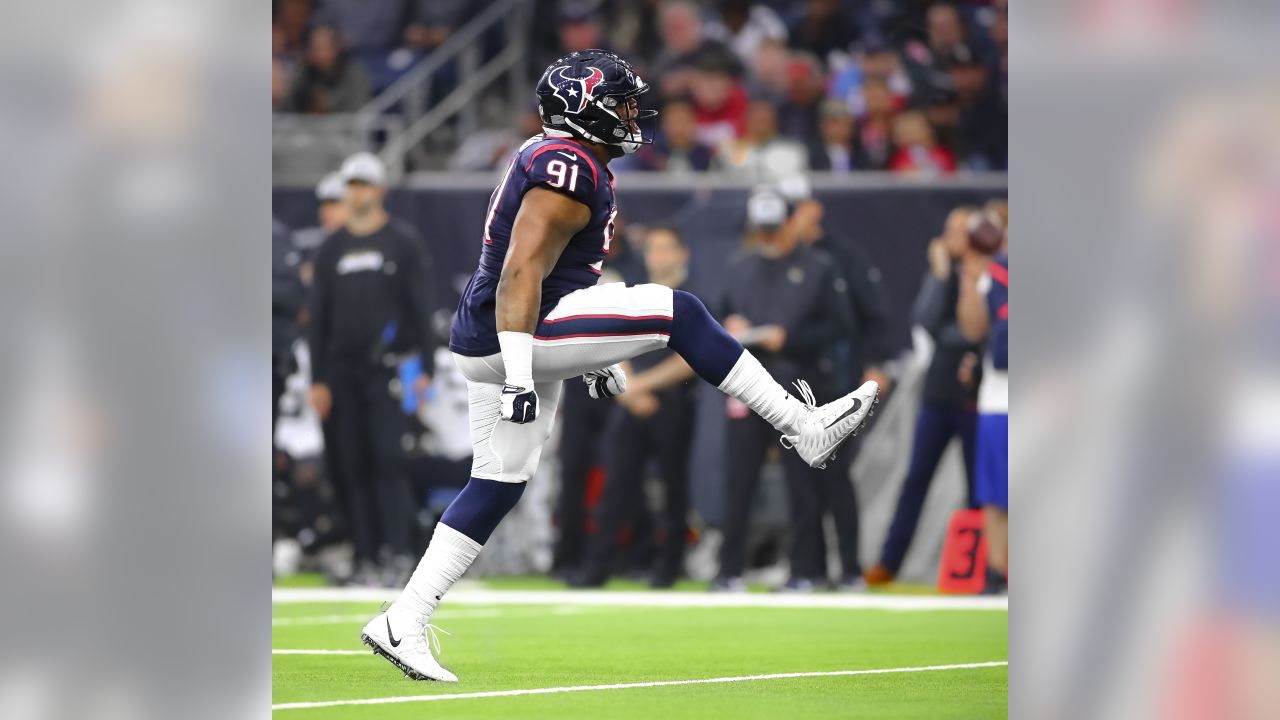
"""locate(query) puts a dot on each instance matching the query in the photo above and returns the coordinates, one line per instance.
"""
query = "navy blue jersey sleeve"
(564, 168)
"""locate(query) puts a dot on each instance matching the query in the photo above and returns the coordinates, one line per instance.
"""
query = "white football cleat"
(828, 426)
(404, 642)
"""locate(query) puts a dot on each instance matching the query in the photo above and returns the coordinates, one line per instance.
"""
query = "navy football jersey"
(562, 165)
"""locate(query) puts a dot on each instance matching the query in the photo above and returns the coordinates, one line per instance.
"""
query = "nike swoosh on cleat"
(394, 641)
(856, 405)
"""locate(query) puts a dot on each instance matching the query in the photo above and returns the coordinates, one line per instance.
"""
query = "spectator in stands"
(635, 30)
(806, 86)
(761, 153)
(279, 49)
(999, 34)
(822, 29)
(943, 114)
(877, 61)
(982, 118)
(945, 31)
(330, 81)
(292, 19)
(676, 149)
(946, 28)
(366, 25)
(432, 21)
(579, 29)
(837, 149)
(880, 61)
(743, 26)
(685, 50)
(950, 391)
(767, 76)
(875, 125)
(279, 85)
(491, 148)
(719, 101)
(918, 151)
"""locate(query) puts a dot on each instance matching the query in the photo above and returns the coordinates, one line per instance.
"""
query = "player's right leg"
(605, 324)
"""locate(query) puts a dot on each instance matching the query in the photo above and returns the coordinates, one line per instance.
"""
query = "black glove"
(519, 405)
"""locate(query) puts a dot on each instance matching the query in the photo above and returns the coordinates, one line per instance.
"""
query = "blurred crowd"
(767, 88)
(373, 439)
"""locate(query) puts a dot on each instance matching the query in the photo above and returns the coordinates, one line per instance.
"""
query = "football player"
(533, 316)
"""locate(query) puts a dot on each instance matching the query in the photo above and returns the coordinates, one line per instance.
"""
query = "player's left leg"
(505, 457)
(598, 326)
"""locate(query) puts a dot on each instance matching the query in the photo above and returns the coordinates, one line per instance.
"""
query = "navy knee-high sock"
(700, 340)
(481, 506)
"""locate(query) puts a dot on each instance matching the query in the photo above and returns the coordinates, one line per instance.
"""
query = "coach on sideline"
(370, 307)
(787, 303)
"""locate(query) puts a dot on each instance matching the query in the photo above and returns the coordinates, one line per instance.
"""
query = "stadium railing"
(397, 120)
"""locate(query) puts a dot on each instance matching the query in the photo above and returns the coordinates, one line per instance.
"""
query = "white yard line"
(321, 620)
(276, 651)
(446, 614)
(847, 601)
(628, 686)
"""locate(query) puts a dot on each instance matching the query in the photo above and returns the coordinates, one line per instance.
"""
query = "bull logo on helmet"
(574, 92)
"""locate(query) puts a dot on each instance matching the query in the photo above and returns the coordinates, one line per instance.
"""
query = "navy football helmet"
(586, 95)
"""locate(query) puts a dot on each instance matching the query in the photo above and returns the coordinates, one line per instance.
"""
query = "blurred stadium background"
(883, 115)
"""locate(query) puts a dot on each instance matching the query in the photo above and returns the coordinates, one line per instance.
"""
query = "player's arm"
(545, 223)
(971, 307)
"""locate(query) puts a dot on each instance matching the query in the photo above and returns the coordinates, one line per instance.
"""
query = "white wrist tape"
(517, 357)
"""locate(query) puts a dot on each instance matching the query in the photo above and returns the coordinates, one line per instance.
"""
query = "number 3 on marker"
(558, 169)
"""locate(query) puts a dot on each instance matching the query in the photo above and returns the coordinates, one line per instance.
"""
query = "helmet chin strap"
(616, 148)
(628, 146)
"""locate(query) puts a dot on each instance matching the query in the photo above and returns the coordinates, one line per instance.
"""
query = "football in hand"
(986, 232)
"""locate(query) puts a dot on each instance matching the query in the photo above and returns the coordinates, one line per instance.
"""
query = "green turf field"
(539, 646)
